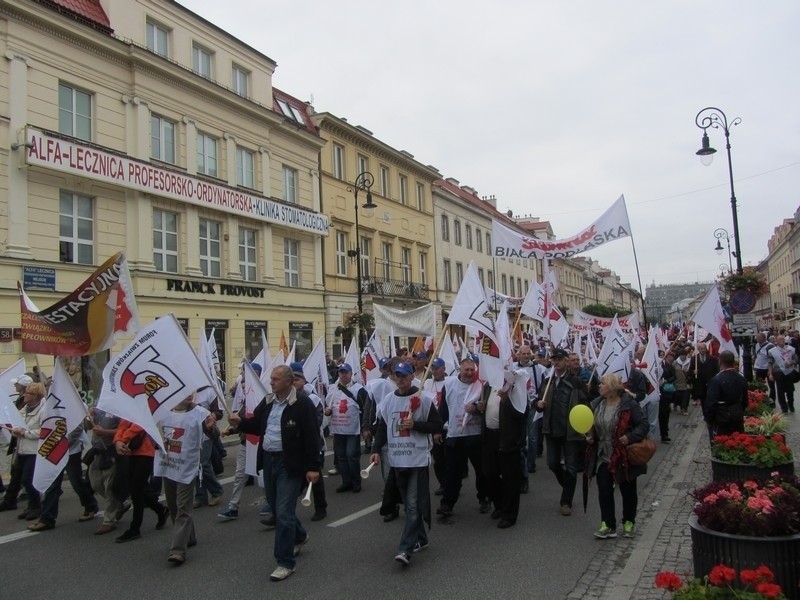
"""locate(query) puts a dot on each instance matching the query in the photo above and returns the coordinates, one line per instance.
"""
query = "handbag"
(640, 453)
(668, 388)
(794, 376)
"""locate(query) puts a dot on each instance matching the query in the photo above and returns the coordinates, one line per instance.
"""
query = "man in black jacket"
(286, 421)
(726, 399)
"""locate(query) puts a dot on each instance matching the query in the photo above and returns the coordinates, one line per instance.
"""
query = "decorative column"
(191, 146)
(192, 242)
(266, 174)
(230, 152)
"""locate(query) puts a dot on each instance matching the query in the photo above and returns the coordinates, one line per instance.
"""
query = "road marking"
(13, 537)
(355, 515)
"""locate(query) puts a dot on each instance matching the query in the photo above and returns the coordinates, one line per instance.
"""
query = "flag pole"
(435, 354)
(638, 275)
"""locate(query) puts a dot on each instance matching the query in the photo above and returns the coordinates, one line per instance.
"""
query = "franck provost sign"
(62, 155)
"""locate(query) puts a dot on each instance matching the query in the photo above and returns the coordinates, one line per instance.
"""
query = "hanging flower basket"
(749, 279)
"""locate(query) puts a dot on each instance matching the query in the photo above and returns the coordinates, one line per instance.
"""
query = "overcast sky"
(558, 107)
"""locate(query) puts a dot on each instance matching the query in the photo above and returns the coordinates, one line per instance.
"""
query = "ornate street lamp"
(722, 234)
(363, 183)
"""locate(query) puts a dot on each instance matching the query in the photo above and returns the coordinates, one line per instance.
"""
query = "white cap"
(24, 381)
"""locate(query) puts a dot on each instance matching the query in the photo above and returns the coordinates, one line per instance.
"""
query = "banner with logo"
(86, 321)
(156, 371)
(612, 225)
(582, 321)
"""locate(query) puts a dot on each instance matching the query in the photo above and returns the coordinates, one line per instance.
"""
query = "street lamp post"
(725, 269)
(722, 234)
(715, 118)
(363, 183)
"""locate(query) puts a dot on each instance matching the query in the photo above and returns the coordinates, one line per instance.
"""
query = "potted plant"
(758, 403)
(742, 456)
(750, 279)
(755, 583)
(748, 524)
(765, 424)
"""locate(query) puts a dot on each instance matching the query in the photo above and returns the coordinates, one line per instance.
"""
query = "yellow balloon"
(581, 418)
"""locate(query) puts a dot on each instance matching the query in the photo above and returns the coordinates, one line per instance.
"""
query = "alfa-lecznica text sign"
(69, 157)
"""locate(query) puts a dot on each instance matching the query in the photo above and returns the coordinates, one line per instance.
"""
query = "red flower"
(413, 403)
(768, 590)
(668, 581)
(750, 576)
(721, 575)
(766, 573)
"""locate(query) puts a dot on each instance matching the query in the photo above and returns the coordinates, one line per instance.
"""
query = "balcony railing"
(378, 286)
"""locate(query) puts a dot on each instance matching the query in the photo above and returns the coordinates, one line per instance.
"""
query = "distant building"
(660, 298)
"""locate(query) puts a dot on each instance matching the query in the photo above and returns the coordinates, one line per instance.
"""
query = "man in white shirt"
(781, 371)
(345, 406)
(762, 360)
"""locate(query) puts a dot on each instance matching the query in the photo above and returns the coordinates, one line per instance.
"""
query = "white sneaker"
(299, 545)
(333, 471)
(281, 573)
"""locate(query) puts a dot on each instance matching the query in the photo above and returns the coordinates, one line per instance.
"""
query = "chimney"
(469, 190)
(491, 201)
(452, 181)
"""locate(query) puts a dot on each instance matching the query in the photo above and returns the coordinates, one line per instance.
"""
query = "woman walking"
(618, 421)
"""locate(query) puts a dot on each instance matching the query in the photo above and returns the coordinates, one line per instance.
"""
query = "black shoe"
(497, 513)
(162, 518)
(665, 440)
(444, 510)
(486, 506)
(269, 521)
(250, 481)
(356, 488)
(532, 469)
(505, 524)
(23, 515)
(8, 506)
(319, 514)
(523, 487)
(439, 491)
(391, 517)
(129, 535)
(344, 488)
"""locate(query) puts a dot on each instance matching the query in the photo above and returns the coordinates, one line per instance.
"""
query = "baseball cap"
(345, 367)
(559, 353)
(297, 368)
(403, 368)
(437, 363)
(24, 380)
(542, 352)
(383, 362)
(256, 367)
(421, 355)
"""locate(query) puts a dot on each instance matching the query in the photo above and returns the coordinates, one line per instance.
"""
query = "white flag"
(372, 355)
(254, 392)
(447, 353)
(277, 361)
(493, 356)
(591, 354)
(9, 415)
(470, 307)
(620, 363)
(151, 375)
(653, 369)
(315, 368)
(206, 356)
(352, 358)
(290, 359)
(62, 413)
(263, 358)
(709, 316)
(616, 341)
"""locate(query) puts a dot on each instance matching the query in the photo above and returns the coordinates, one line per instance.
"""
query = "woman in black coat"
(618, 421)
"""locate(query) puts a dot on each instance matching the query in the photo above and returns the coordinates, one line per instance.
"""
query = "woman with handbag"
(618, 423)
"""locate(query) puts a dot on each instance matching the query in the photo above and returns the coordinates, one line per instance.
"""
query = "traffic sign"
(739, 319)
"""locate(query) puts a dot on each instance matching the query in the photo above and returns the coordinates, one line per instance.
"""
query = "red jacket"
(126, 431)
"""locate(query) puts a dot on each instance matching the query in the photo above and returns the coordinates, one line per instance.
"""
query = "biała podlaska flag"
(254, 392)
(709, 316)
(88, 320)
(62, 413)
(9, 415)
(616, 341)
(151, 375)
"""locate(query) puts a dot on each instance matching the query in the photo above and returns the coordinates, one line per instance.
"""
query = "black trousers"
(664, 410)
(503, 475)
(457, 452)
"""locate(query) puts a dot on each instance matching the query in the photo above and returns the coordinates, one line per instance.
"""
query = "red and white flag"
(315, 369)
(371, 356)
(470, 307)
(254, 392)
(615, 343)
(9, 415)
(62, 413)
(709, 316)
(153, 373)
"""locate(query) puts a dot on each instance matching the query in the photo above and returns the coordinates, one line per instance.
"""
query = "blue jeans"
(534, 433)
(414, 526)
(651, 412)
(282, 490)
(74, 470)
(208, 483)
(347, 449)
(567, 474)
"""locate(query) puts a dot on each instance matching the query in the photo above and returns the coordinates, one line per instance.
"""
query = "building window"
(384, 181)
(253, 343)
(448, 283)
(503, 285)
(211, 248)
(165, 241)
(520, 291)
(338, 161)
(363, 164)
(480, 276)
(420, 196)
(245, 162)
(201, 61)
(239, 80)
(289, 185)
(511, 287)
(74, 112)
(457, 232)
(247, 253)
(402, 181)
(366, 251)
(459, 273)
(423, 268)
(157, 38)
(206, 155)
(405, 264)
(479, 239)
(291, 263)
(341, 253)
(76, 229)
(445, 229)
(386, 260)
(488, 244)
(162, 139)
(468, 232)
(490, 278)
(527, 286)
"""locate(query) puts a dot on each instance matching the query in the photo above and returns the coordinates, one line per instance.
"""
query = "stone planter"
(724, 471)
(781, 554)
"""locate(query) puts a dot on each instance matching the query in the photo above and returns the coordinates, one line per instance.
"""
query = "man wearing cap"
(318, 488)
(435, 385)
(420, 362)
(406, 420)
(15, 484)
(459, 410)
(345, 406)
(562, 391)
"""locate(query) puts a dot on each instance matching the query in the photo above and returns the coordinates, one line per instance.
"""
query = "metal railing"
(379, 286)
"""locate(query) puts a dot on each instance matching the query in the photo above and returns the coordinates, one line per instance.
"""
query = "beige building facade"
(139, 126)
(780, 308)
